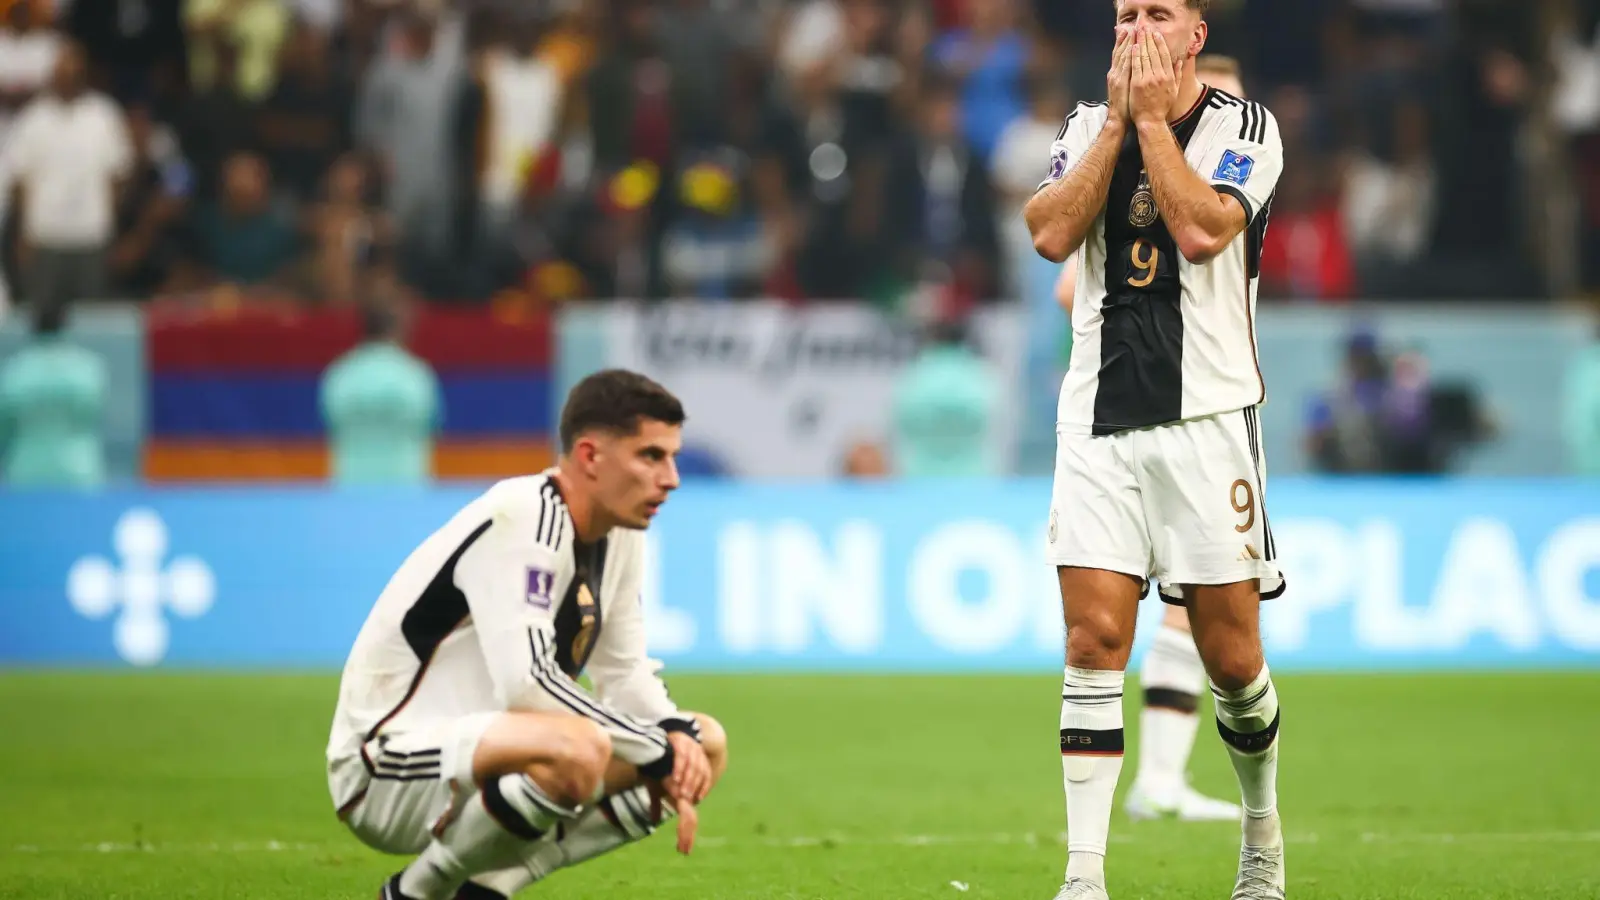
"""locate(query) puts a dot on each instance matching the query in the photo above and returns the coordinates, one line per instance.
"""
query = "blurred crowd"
(370, 153)
(523, 151)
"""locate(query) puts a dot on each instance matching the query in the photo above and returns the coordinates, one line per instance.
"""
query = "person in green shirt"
(1580, 411)
(945, 405)
(382, 407)
(52, 405)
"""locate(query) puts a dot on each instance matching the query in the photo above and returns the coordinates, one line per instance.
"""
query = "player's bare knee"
(715, 741)
(578, 759)
(1233, 666)
(1096, 641)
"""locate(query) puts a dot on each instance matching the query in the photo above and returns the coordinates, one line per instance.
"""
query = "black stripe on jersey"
(437, 611)
(1140, 381)
(405, 757)
(552, 516)
(1252, 427)
(565, 691)
(589, 564)
(1074, 114)
(1256, 239)
(441, 607)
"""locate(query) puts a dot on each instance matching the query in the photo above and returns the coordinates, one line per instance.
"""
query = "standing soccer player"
(461, 733)
(1172, 675)
(1162, 192)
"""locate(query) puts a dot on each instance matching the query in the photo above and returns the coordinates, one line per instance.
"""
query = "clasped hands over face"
(1142, 84)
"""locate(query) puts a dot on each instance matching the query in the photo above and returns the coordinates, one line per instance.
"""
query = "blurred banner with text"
(906, 576)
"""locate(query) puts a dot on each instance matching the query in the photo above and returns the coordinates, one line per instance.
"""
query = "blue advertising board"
(744, 577)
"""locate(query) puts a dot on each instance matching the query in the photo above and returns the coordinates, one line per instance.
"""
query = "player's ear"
(585, 450)
(1197, 41)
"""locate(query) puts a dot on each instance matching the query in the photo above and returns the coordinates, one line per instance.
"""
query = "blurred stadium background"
(288, 280)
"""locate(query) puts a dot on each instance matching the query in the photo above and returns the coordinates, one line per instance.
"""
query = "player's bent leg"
(1100, 608)
(625, 814)
(533, 771)
(1172, 677)
(1226, 621)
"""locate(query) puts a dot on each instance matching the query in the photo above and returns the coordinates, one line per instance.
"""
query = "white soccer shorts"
(408, 782)
(1182, 503)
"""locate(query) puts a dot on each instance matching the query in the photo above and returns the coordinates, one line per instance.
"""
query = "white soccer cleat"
(1260, 874)
(1082, 889)
(1188, 805)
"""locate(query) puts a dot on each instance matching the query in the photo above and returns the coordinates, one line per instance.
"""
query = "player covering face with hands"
(1160, 198)
(1171, 675)
(462, 736)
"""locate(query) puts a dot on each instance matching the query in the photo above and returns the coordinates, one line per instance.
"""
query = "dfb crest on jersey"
(1142, 212)
(1234, 168)
(541, 585)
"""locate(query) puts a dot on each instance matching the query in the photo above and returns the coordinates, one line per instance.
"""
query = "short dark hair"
(1200, 6)
(616, 400)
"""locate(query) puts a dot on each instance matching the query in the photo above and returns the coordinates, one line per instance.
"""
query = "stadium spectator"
(1389, 194)
(352, 239)
(1354, 427)
(213, 124)
(409, 116)
(150, 209)
(945, 405)
(865, 461)
(242, 240)
(1580, 411)
(304, 124)
(52, 404)
(523, 94)
(1016, 169)
(254, 30)
(989, 55)
(28, 51)
(940, 206)
(382, 407)
(136, 48)
(66, 155)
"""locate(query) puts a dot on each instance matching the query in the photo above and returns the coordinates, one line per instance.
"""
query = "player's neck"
(1189, 91)
(588, 522)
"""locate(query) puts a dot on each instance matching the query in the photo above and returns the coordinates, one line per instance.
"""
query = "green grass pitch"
(127, 787)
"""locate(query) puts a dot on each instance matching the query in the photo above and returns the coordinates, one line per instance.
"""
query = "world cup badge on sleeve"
(541, 585)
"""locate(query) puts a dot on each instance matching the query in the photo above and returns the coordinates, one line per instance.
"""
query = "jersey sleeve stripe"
(552, 517)
(550, 677)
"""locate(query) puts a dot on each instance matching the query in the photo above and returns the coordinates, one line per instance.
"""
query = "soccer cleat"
(1188, 806)
(1082, 889)
(1260, 874)
(473, 891)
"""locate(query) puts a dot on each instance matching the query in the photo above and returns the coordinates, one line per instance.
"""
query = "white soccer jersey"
(500, 609)
(1157, 339)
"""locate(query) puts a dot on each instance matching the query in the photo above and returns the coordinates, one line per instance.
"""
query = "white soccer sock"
(1172, 677)
(1091, 760)
(610, 823)
(1248, 722)
(491, 832)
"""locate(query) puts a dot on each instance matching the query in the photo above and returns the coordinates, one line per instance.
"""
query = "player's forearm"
(1201, 221)
(546, 688)
(1060, 215)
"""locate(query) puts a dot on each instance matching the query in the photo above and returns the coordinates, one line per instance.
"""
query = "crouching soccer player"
(461, 735)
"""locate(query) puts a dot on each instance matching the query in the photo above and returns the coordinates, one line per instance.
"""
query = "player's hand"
(1154, 85)
(1119, 76)
(688, 815)
(691, 768)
